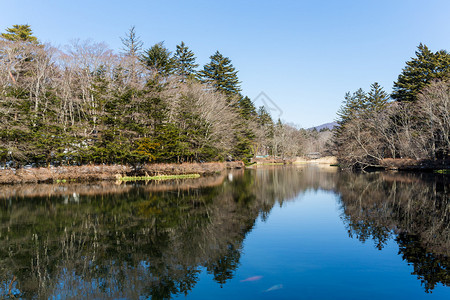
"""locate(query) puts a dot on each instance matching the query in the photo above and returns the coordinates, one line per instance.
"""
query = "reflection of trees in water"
(154, 240)
(429, 267)
(280, 184)
(114, 245)
(137, 242)
(413, 208)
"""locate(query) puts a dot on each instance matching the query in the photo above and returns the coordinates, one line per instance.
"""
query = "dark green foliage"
(243, 145)
(221, 74)
(246, 108)
(167, 137)
(184, 62)
(245, 135)
(419, 72)
(377, 98)
(264, 118)
(353, 104)
(158, 58)
(360, 103)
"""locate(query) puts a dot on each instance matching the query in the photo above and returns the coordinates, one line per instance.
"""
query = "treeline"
(411, 123)
(87, 104)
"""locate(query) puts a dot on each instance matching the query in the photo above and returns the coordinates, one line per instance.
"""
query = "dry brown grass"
(395, 163)
(408, 164)
(191, 168)
(108, 187)
(109, 172)
(330, 160)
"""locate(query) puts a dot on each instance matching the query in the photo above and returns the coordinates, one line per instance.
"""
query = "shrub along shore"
(111, 172)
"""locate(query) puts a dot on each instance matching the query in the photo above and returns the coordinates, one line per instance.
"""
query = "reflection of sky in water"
(161, 239)
(303, 251)
(10, 289)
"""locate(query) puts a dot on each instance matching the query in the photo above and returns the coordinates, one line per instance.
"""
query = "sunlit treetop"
(21, 33)
(419, 72)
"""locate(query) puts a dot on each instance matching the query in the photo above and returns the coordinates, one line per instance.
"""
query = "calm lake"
(298, 232)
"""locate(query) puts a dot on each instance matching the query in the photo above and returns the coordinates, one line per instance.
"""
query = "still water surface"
(270, 233)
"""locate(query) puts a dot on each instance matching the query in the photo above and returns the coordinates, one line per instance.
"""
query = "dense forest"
(411, 123)
(85, 103)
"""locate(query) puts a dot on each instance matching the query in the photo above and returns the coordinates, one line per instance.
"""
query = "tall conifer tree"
(221, 74)
(132, 44)
(184, 61)
(132, 48)
(158, 58)
(377, 98)
(246, 108)
(419, 72)
(353, 104)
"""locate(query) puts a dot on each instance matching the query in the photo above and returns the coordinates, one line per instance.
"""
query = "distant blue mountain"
(326, 125)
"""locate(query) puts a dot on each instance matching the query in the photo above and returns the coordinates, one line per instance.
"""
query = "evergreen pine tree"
(221, 74)
(353, 105)
(158, 59)
(419, 72)
(246, 108)
(20, 33)
(132, 48)
(377, 98)
(264, 118)
(266, 126)
(245, 134)
(132, 45)
(184, 61)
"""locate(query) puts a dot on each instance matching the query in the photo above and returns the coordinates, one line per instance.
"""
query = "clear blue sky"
(303, 54)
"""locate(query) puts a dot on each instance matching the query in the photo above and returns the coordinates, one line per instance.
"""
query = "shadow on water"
(153, 240)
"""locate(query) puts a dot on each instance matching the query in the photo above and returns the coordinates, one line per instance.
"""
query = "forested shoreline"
(409, 128)
(86, 104)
